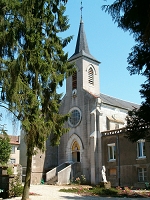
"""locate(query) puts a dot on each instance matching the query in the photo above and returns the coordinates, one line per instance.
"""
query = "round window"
(75, 117)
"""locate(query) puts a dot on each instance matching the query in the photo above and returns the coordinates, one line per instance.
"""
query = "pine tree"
(33, 65)
(5, 148)
(134, 16)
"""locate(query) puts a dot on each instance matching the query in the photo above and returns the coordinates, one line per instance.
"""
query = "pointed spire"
(81, 40)
(82, 48)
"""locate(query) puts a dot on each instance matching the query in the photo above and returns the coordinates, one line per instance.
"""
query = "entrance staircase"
(52, 181)
(63, 173)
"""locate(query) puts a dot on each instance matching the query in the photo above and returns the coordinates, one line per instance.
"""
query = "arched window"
(91, 76)
(74, 81)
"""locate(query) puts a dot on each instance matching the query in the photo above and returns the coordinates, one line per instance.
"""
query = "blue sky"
(108, 44)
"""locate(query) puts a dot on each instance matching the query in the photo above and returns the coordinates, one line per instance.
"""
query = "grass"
(104, 192)
(94, 191)
(113, 192)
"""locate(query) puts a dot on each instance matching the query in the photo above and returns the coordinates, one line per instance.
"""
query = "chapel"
(96, 132)
(91, 113)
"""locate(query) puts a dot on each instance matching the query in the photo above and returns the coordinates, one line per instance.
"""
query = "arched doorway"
(74, 149)
(75, 152)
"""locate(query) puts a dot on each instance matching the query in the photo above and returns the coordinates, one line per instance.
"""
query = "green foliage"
(127, 192)
(9, 170)
(147, 185)
(137, 127)
(70, 190)
(112, 192)
(104, 191)
(5, 148)
(16, 187)
(78, 190)
(79, 180)
(134, 16)
(92, 191)
(34, 65)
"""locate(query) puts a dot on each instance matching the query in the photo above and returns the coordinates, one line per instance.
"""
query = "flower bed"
(112, 192)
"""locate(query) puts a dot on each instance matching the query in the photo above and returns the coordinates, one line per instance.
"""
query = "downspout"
(118, 158)
(98, 141)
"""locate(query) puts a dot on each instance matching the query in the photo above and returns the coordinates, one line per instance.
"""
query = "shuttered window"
(91, 76)
(74, 81)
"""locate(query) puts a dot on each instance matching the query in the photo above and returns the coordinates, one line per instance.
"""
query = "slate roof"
(118, 102)
(82, 48)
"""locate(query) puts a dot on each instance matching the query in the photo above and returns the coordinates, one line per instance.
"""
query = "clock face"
(75, 117)
(74, 92)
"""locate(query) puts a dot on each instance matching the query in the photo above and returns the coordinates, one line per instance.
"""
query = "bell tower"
(80, 101)
(87, 67)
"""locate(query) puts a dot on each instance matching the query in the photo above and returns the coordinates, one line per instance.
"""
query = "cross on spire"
(81, 8)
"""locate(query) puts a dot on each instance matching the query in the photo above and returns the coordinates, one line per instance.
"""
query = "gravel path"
(51, 192)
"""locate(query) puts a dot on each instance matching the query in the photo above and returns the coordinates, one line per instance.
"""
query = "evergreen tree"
(33, 65)
(134, 16)
(5, 148)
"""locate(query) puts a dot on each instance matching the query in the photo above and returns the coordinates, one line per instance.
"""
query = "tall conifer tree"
(33, 65)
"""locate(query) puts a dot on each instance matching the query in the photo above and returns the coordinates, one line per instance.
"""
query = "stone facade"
(41, 162)
(98, 113)
(92, 116)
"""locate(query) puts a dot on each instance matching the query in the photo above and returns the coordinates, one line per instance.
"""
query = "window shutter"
(74, 81)
(91, 76)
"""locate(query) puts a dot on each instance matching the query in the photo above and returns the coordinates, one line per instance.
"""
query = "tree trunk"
(25, 195)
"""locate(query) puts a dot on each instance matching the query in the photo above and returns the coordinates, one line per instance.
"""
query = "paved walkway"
(50, 192)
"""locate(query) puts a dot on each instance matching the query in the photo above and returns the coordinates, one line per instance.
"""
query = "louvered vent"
(91, 76)
(74, 81)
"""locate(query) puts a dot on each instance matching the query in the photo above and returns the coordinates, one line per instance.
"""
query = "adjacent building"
(15, 152)
(127, 164)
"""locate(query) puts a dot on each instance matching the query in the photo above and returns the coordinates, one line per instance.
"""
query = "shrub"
(16, 187)
(79, 180)
(9, 170)
(92, 191)
(112, 192)
(83, 179)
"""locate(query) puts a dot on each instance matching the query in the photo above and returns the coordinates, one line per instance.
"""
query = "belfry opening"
(75, 152)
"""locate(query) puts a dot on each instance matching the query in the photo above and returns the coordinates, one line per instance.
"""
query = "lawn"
(113, 192)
